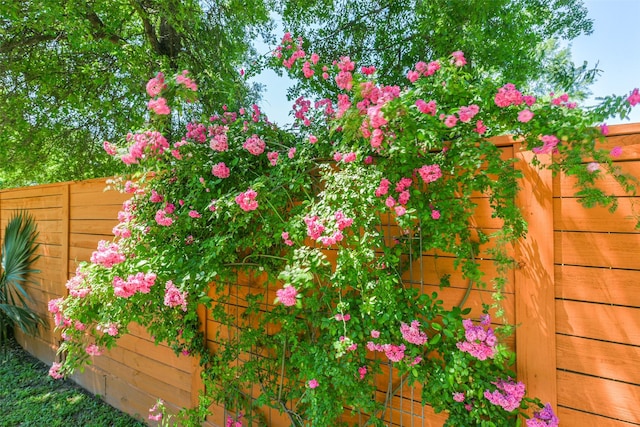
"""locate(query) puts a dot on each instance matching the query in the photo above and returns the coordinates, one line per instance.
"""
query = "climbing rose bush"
(325, 222)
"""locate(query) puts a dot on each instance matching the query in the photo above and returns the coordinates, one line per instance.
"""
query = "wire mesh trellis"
(402, 401)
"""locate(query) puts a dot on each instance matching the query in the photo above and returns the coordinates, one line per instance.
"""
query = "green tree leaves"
(71, 74)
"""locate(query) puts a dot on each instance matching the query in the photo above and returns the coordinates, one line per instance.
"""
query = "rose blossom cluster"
(287, 296)
(55, 307)
(196, 132)
(423, 69)
(300, 108)
(154, 87)
(139, 282)
(162, 218)
(107, 255)
(247, 200)
(344, 79)
(294, 47)
(424, 107)
(220, 170)
(430, 173)
(396, 353)
(125, 216)
(398, 203)
(173, 297)
(182, 79)
(413, 334)
(480, 341)
(316, 228)
(374, 122)
(344, 157)
(156, 411)
(54, 371)
(77, 286)
(234, 423)
(549, 144)
(508, 394)
(634, 98)
(563, 101)
(254, 145)
(219, 140)
(508, 95)
(544, 418)
(152, 142)
(287, 240)
(111, 329)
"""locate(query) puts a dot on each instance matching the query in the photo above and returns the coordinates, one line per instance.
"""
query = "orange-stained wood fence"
(575, 297)
(72, 217)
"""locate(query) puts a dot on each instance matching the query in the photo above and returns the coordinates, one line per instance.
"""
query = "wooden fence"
(575, 297)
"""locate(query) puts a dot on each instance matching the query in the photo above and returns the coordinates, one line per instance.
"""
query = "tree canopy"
(71, 73)
(505, 38)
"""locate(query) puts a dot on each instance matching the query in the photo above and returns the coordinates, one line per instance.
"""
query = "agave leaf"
(18, 255)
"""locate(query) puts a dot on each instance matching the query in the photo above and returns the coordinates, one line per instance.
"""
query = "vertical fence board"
(65, 233)
(535, 336)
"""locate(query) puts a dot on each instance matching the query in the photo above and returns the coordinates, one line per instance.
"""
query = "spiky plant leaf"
(18, 256)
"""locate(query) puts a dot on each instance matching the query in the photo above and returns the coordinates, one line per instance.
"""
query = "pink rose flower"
(54, 371)
(593, 166)
(93, 350)
(287, 296)
(524, 116)
(159, 106)
(247, 200)
(450, 121)
(156, 85)
(254, 145)
(634, 98)
(615, 151)
(220, 170)
(458, 58)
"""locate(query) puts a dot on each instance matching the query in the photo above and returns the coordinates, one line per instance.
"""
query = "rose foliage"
(324, 223)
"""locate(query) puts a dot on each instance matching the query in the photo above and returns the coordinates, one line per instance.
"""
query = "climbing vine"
(299, 242)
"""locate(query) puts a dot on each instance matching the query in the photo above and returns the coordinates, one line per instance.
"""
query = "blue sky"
(614, 45)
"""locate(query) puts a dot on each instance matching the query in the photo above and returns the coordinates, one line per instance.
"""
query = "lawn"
(29, 397)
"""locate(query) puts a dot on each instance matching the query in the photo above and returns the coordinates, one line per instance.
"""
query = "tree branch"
(148, 27)
(16, 43)
(99, 27)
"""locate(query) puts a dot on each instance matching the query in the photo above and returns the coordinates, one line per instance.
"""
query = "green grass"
(30, 398)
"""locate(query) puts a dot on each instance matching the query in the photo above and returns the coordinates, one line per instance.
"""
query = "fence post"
(534, 281)
(197, 383)
(64, 222)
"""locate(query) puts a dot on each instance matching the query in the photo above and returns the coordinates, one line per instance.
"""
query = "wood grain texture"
(534, 293)
(572, 418)
(599, 358)
(598, 321)
(594, 284)
(564, 186)
(599, 396)
(570, 215)
(611, 250)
